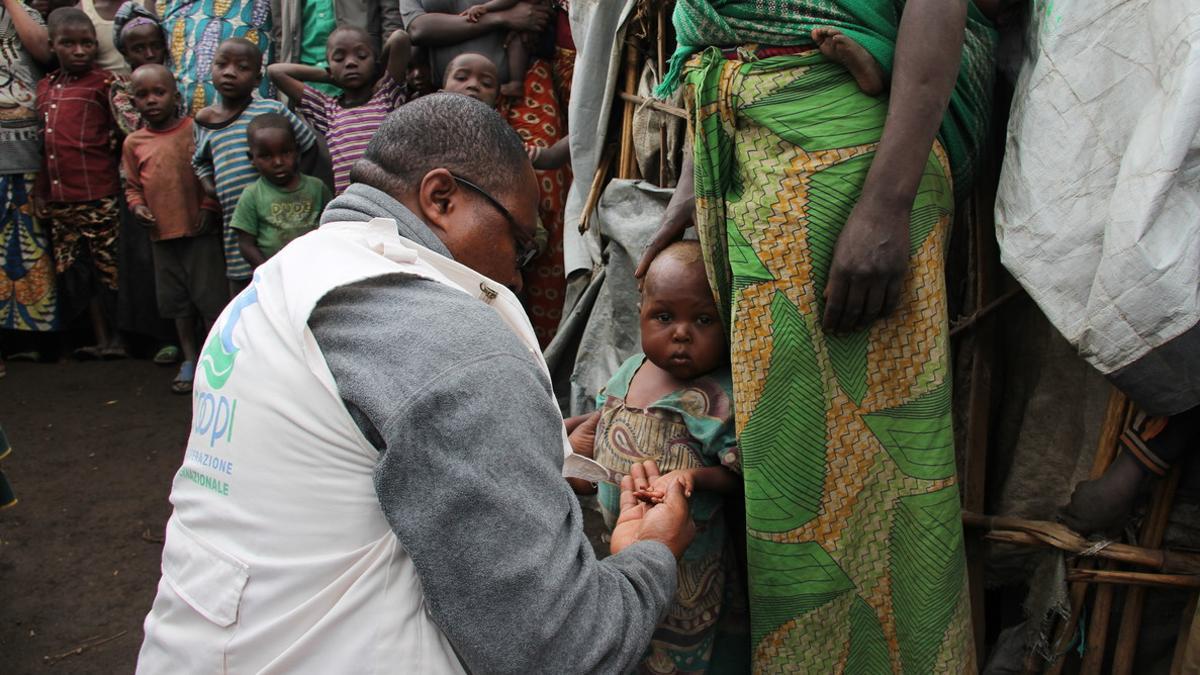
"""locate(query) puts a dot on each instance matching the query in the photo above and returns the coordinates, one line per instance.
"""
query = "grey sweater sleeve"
(469, 478)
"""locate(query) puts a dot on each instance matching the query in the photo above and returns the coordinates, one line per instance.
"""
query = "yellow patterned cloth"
(28, 293)
(854, 548)
(196, 28)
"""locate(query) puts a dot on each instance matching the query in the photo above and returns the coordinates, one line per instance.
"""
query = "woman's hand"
(679, 216)
(868, 268)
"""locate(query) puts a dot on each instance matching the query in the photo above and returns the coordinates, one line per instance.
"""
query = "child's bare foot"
(853, 57)
(1103, 504)
(512, 89)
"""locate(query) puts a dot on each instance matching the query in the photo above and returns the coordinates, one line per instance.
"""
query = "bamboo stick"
(626, 166)
(1023, 532)
(1106, 449)
(1151, 536)
(1108, 578)
(663, 178)
(654, 104)
(596, 189)
(1185, 632)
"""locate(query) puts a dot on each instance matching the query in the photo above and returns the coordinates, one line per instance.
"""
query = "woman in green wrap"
(824, 214)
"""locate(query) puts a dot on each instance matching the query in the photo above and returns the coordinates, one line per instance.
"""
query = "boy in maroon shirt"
(166, 196)
(78, 185)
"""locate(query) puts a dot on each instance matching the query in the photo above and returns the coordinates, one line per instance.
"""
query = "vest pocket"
(208, 579)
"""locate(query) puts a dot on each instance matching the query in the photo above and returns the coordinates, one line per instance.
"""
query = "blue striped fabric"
(221, 153)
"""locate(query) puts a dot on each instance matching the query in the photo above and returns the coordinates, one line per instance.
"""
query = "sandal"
(182, 384)
(167, 356)
(30, 356)
(113, 353)
(90, 353)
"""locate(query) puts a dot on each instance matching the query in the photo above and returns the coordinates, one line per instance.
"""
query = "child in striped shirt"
(222, 159)
(348, 121)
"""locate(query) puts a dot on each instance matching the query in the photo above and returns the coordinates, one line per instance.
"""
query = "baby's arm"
(705, 478)
(290, 77)
(473, 13)
(553, 157)
(518, 62)
(398, 49)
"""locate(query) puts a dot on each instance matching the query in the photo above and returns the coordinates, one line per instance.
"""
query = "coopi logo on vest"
(213, 413)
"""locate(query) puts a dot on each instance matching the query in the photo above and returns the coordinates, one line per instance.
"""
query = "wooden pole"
(596, 189)
(627, 165)
(1106, 450)
(1107, 578)
(654, 104)
(1023, 532)
(1185, 632)
(1097, 635)
(663, 176)
(1151, 536)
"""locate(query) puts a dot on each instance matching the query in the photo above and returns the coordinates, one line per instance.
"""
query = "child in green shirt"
(283, 203)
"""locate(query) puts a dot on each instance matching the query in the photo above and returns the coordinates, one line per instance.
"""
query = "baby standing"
(672, 406)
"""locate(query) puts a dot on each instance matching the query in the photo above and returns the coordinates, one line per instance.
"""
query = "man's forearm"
(436, 30)
(922, 79)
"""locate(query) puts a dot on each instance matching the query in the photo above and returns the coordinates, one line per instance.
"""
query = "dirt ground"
(95, 446)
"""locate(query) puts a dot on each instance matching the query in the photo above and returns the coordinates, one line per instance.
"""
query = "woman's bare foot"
(853, 57)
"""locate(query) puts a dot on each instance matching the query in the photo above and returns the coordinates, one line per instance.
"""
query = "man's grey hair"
(441, 131)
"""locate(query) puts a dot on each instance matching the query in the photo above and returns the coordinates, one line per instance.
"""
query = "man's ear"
(435, 198)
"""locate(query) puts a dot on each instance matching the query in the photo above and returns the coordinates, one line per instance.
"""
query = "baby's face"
(473, 75)
(681, 329)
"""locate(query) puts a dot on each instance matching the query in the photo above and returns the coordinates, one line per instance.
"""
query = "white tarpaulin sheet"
(1098, 211)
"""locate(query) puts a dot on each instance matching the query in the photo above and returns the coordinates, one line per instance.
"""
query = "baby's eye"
(704, 320)
(662, 317)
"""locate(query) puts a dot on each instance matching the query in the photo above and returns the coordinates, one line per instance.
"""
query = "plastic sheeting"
(597, 26)
(1098, 211)
(602, 330)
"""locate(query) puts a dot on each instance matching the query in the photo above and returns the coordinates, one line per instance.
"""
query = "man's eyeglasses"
(526, 251)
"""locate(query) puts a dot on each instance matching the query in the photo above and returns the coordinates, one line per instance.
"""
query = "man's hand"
(39, 208)
(583, 436)
(525, 17)
(144, 216)
(868, 268)
(669, 522)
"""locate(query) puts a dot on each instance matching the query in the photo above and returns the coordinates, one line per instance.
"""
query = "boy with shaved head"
(167, 198)
(222, 159)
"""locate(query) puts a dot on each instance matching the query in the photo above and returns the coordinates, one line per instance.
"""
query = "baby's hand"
(143, 214)
(512, 89)
(657, 491)
(473, 13)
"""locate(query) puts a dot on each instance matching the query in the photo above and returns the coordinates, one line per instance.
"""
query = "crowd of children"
(111, 223)
(216, 195)
(118, 203)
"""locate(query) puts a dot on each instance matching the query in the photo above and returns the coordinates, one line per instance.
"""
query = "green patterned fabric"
(873, 24)
(854, 541)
